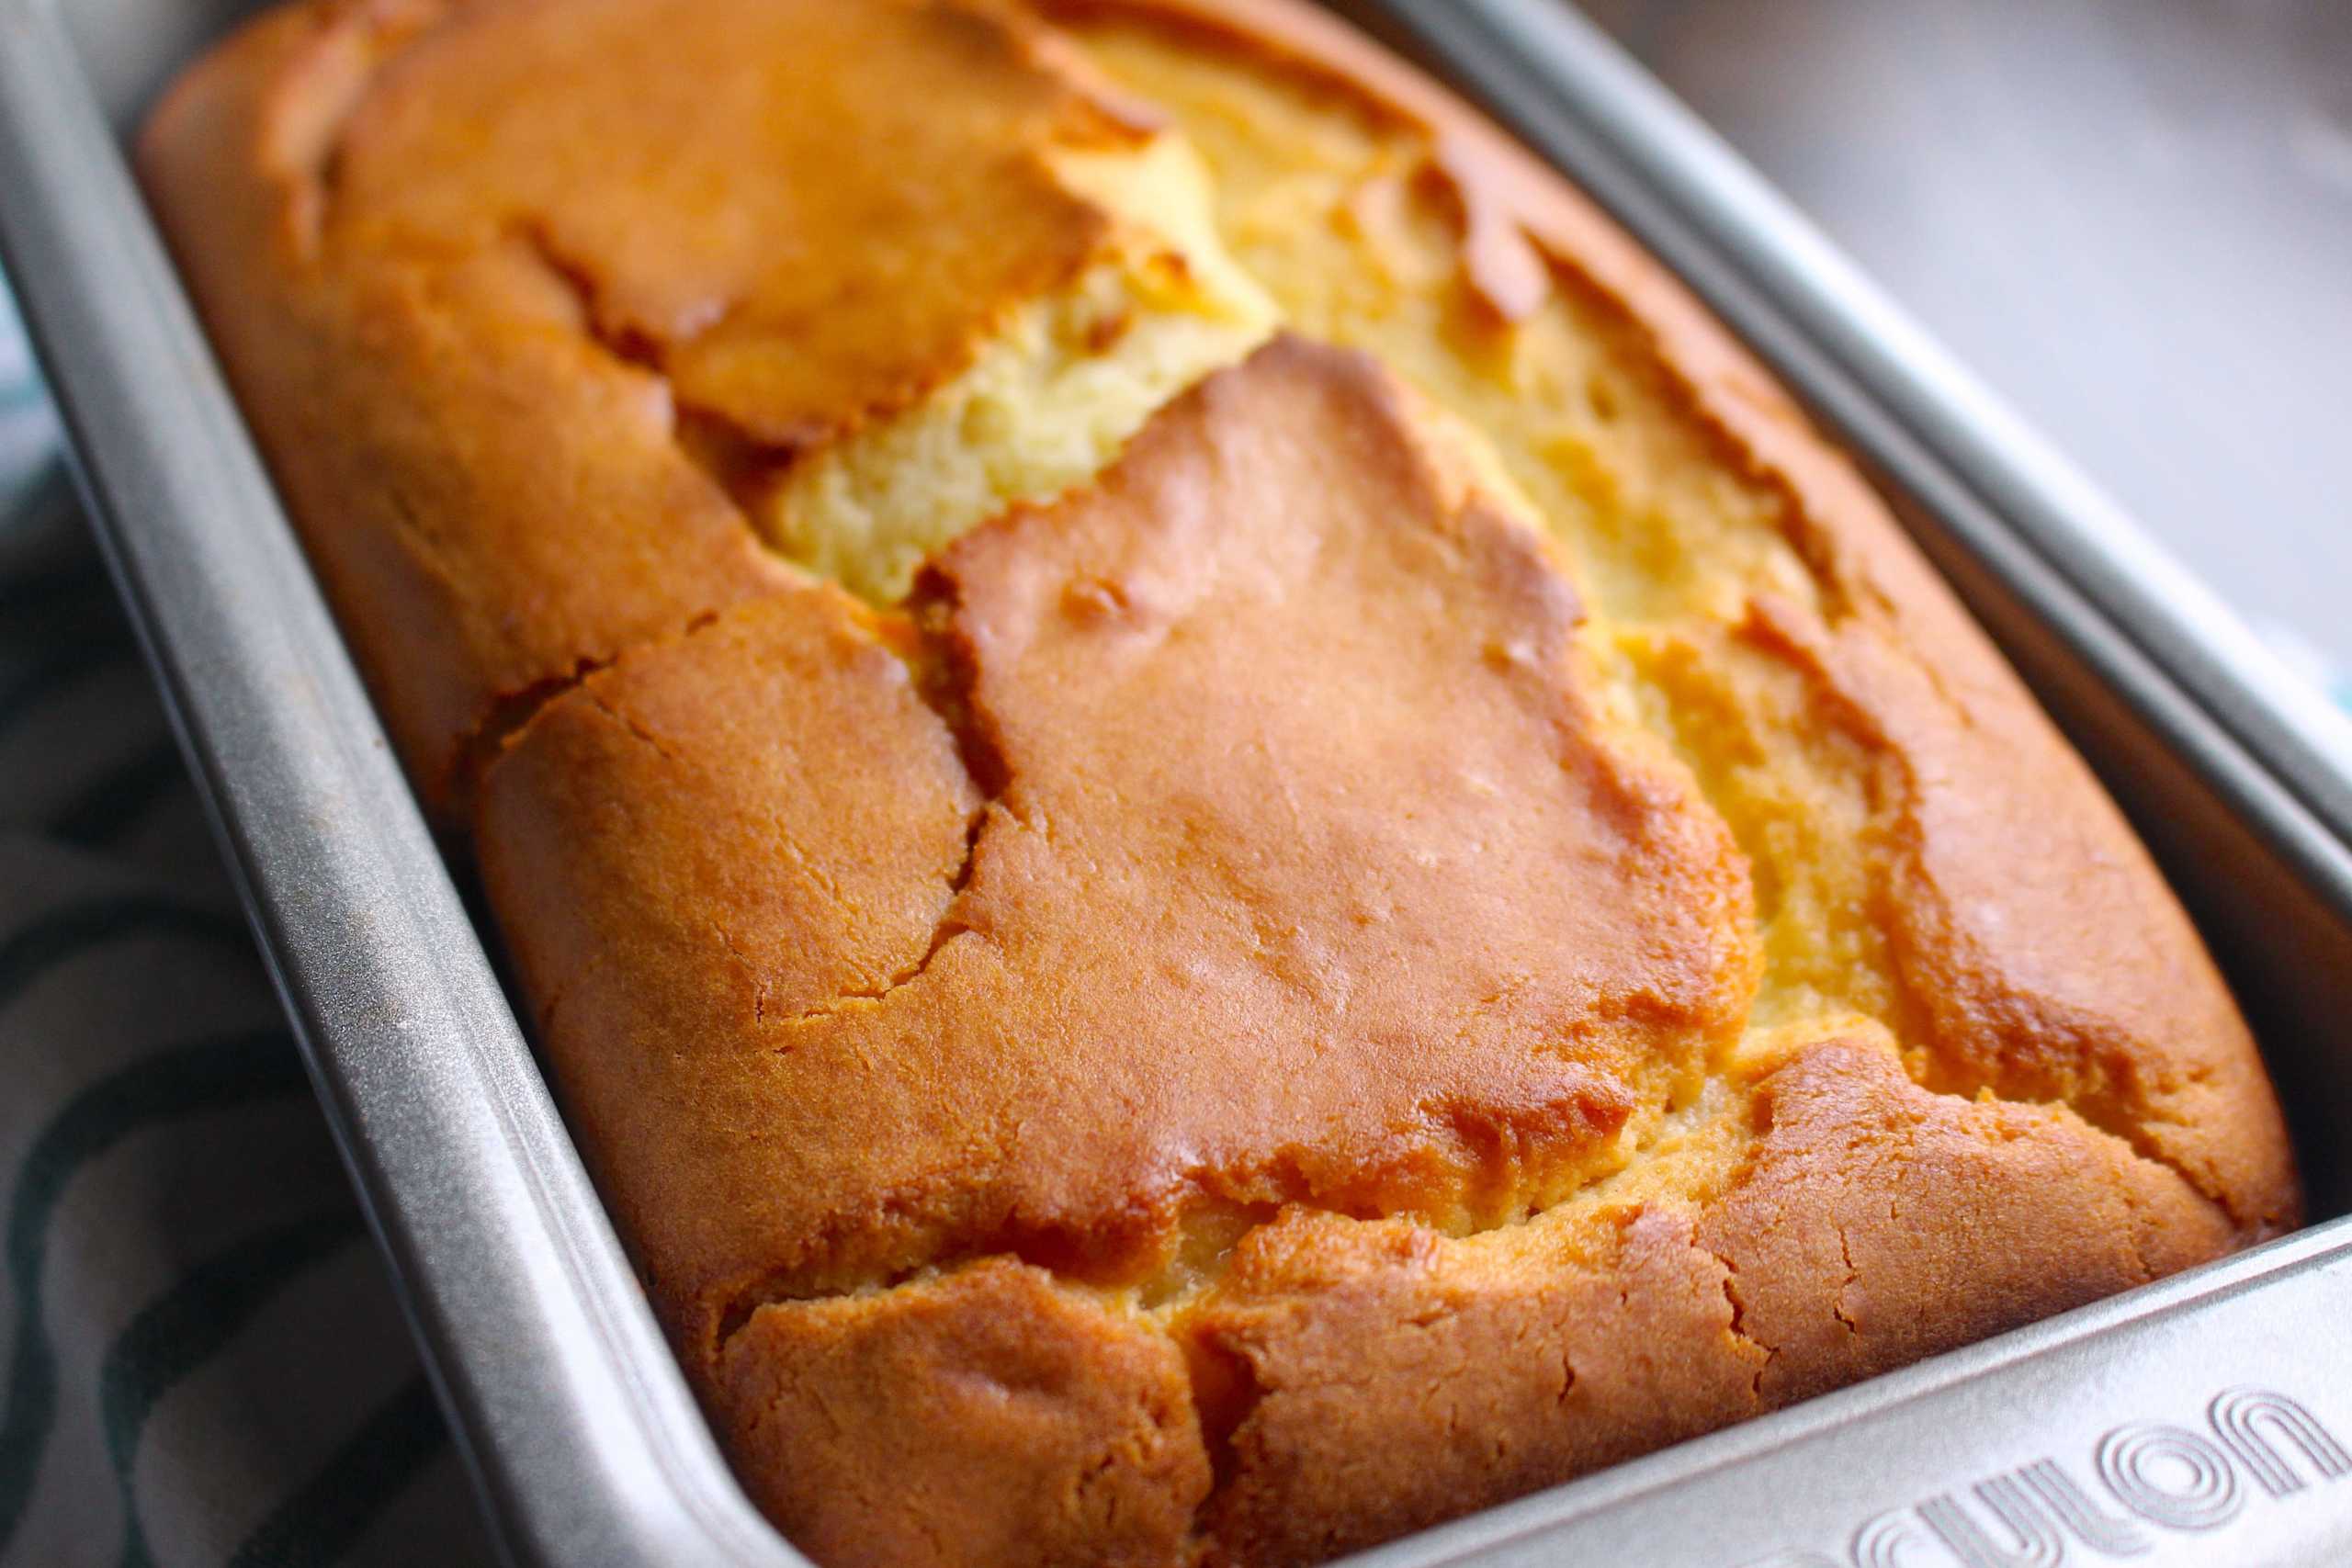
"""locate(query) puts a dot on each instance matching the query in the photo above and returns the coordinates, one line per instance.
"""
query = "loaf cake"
(1224, 839)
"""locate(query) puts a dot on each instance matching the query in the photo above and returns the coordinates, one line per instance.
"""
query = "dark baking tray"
(2203, 1419)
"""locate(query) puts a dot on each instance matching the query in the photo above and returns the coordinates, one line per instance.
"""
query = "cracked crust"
(1354, 1369)
(2033, 946)
(468, 263)
(1395, 947)
(1311, 894)
(1399, 1378)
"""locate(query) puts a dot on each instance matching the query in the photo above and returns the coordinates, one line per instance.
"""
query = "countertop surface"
(2132, 217)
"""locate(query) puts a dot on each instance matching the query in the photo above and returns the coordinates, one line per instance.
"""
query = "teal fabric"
(200, 1360)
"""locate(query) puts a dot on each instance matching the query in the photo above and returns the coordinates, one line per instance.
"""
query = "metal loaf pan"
(2207, 1418)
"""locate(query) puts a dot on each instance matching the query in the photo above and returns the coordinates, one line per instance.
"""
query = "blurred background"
(2133, 218)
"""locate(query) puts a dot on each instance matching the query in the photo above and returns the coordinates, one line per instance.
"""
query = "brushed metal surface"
(569, 1409)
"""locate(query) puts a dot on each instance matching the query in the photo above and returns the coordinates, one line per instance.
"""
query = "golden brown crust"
(2049, 959)
(520, 312)
(1396, 1378)
(677, 857)
(1361, 1376)
(1210, 1037)
(1867, 1197)
(2041, 952)
(492, 500)
(1445, 962)
(807, 216)
(988, 1415)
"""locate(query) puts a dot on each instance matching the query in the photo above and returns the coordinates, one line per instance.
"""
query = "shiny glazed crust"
(1368, 957)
